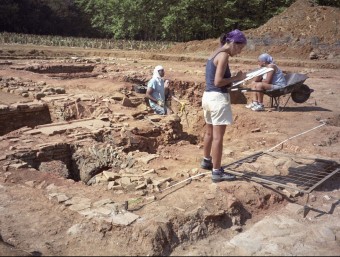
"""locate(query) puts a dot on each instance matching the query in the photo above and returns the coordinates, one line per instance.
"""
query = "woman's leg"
(262, 86)
(207, 142)
(253, 86)
(259, 97)
(217, 145)
(254, 100)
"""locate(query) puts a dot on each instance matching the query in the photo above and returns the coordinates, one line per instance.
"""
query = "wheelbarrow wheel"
(301, 94)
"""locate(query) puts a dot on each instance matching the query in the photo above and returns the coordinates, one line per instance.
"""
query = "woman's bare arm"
(221, 62)
(270, 74)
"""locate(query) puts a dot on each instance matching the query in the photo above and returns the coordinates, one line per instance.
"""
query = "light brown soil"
(32, 224)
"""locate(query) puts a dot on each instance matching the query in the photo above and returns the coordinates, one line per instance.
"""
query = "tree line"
(150, 20)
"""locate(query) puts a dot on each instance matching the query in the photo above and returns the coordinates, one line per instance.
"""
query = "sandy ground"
(261, 214)
(34, 224)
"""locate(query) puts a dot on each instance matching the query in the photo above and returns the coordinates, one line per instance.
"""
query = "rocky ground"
(93, 172)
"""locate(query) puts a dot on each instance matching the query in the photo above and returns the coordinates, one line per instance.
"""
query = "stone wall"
(19, 115)
(51, 158)
(58, 68)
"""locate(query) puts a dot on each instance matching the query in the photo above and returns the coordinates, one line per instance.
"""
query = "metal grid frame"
(304, 178)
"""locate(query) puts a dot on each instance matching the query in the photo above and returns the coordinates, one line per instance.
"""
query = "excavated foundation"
(109, 141)
(19, 115)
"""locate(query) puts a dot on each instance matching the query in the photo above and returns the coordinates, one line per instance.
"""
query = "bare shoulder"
(218, 52)
(272, 65)
(223, 58)
(222, 55)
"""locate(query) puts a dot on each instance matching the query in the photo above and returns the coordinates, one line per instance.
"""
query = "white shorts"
(217, 108)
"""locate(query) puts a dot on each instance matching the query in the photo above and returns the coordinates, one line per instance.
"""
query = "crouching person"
(155, 91)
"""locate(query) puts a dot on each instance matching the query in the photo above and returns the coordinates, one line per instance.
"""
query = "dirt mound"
(205, 46)
(301, 29)
(302, 22)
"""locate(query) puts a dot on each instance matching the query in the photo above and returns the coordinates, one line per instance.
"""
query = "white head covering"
(155, 72)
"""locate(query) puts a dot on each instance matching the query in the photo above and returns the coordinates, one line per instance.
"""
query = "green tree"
(334, 3)
(9, 11)
(193, 19)
(47, 17)
(171, 20)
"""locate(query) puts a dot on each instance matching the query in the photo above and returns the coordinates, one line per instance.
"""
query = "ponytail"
(223, 39)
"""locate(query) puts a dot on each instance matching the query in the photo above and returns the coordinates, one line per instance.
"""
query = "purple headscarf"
(236, 36)
(266, 58)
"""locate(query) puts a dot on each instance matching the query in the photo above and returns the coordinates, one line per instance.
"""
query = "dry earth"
(131, 192)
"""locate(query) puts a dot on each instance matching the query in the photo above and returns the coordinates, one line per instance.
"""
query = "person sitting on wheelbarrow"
(270, 81)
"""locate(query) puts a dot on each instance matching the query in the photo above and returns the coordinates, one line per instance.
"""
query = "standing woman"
(216, 101)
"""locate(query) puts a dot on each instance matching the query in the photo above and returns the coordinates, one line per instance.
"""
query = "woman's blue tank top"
(210, 71)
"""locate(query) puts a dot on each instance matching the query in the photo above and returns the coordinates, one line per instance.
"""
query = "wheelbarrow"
(299, 92)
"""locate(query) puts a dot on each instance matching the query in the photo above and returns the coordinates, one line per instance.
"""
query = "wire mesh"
(289, 171)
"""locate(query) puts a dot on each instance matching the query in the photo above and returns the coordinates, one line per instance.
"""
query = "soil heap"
(304, 29)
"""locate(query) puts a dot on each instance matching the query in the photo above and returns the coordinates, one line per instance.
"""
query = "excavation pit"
(20, 115)
(77, 200)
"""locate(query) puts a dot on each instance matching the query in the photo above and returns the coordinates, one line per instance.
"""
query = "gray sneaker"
(258, 108)
(206, 164)
(221, 176)
(251, 105)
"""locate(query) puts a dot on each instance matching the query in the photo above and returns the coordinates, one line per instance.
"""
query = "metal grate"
(289, 171)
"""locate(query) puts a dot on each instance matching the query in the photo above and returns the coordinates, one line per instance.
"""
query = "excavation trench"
(116, 155)
(111, 140)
